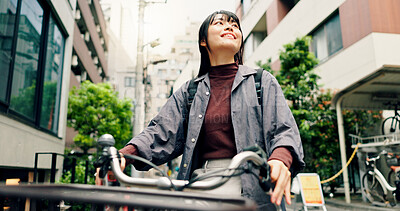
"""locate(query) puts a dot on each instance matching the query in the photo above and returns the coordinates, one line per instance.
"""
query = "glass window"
(320, 44)
(8, 10)
(248, 47)
(246, 5)
(334, 35)
(129, 82)
(52, 78)
(327, 39)
(252, 42)
(26, 59)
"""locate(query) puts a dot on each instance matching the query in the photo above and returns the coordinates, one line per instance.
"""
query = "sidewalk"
(338, 203)
(357, 203)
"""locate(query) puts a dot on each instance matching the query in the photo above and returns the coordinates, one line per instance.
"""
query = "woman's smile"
(228, 35)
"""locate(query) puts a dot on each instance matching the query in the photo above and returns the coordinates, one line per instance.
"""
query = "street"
(338, 204)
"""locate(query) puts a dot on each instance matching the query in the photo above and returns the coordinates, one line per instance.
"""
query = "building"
(356, 41)
(36, 44)
(351, 38)
(121, 22)
(181, 65)
(90, 44)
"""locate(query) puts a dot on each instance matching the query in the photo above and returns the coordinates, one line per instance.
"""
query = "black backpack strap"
(192, 89)
(257, 80)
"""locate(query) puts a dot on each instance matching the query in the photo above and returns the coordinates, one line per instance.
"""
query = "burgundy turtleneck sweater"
(217, 139)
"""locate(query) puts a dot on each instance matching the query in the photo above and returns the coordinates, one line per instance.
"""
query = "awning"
(373, 91)
(377, 91)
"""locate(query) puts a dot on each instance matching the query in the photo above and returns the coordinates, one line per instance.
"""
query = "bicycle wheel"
(372, 188)
(392, 178)
(392, 182)
(389, 125)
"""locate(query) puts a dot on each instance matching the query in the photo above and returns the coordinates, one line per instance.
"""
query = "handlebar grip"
(265, 179)
(103, 171)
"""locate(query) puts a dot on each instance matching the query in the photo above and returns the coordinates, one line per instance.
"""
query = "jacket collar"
(242, 73)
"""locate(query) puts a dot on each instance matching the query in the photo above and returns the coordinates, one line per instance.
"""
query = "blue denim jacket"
(269, 125)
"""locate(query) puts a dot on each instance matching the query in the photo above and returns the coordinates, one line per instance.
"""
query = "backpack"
(193, 88)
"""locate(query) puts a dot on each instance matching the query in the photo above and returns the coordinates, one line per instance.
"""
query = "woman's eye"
(235, 25)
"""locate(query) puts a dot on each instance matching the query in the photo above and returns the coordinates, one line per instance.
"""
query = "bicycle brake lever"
(264, 179)
(257, 149)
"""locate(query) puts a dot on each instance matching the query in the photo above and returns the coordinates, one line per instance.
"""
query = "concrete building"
(121, 21)
(352, 38)
(166, 77)
(90, 44)
(356, 41)
(36, 44)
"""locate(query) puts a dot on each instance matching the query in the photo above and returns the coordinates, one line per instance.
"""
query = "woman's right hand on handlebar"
(280, 175)
(99, 181)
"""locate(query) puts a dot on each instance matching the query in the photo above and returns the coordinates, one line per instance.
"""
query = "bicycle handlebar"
(110, 157)
(377, 157)
(164, 182)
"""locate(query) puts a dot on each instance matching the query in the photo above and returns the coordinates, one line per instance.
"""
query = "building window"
(162, 72)
(129, 82)
(23, 92)
(31, 63)
(246, 5)
(8, 10)
(327, 39)
(52, 78)
(252, 42)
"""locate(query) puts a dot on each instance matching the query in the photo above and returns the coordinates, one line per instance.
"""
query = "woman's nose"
(228, 28)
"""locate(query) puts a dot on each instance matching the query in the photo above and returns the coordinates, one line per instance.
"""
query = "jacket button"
(193, 140)
(185, 165)
(207, 93)
(200, 116)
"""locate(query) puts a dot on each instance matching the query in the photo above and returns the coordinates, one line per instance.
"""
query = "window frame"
(323, 26)
(129, 81)
(48, 12)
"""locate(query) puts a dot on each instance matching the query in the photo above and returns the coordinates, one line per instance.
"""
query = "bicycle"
(255, 157)
(167, 196)
(391, 124)
(376, 188)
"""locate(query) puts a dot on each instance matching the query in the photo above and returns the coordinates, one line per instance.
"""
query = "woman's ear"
(203, 43)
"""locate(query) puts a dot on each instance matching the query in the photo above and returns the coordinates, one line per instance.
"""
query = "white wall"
(302, 19)
(359, 60)
(20, 142)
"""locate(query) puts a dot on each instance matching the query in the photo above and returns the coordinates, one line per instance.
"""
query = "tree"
(311, 108)
(94, 110)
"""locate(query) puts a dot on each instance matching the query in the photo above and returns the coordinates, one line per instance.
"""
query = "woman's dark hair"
(203, 34)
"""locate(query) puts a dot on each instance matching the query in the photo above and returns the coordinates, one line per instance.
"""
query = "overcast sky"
(165, 21)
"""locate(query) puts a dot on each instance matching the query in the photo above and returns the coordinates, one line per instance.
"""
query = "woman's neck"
(216, 60)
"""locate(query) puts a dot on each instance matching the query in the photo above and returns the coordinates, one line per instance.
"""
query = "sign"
(311, 191)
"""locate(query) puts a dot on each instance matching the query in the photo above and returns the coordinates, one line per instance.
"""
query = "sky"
(165, 21)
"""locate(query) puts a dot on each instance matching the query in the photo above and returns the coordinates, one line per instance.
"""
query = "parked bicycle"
(392, 124)
(376, 188)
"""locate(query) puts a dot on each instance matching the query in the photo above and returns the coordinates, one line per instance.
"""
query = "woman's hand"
(99, 181)
(280, 175)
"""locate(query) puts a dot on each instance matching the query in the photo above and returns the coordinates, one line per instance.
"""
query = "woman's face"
(224, 36)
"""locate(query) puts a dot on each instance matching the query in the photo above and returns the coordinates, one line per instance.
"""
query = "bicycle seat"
(395, 168)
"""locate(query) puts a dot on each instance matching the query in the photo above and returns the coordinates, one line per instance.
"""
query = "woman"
(225, 117)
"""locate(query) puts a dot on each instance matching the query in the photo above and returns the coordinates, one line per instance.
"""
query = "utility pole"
(139, 86)
(139, 90)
